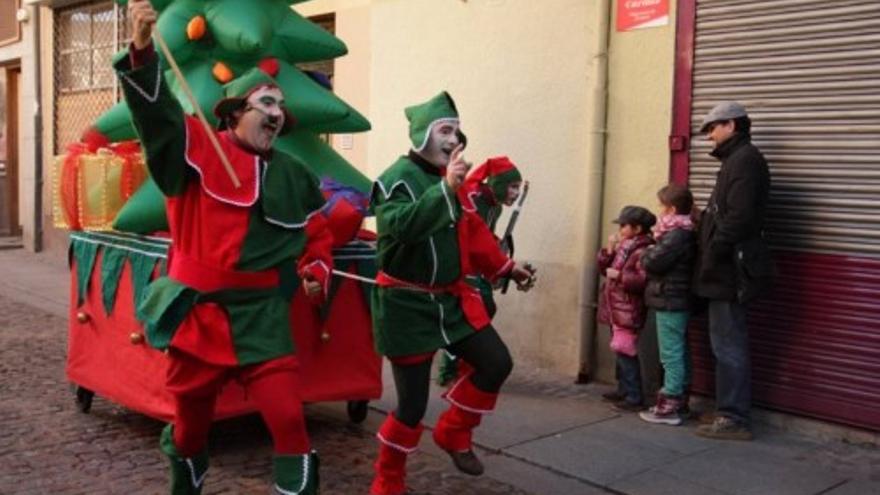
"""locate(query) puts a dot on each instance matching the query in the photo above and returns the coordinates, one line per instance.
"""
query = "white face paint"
(441, 142)
(513, 191)
(262, 119)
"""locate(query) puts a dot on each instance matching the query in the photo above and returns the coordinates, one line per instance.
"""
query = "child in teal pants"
(669, 266)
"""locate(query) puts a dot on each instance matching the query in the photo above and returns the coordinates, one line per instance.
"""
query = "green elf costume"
(485, 192)
(427, 243)
(237, 255)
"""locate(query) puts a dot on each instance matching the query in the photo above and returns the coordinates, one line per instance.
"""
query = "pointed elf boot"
(296, 474)
(454, 431)
(187, 473)
(397, 441)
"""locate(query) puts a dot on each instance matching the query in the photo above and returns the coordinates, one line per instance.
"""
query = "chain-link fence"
(85, 38)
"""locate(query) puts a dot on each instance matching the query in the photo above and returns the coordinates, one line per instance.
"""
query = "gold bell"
(136, 338)
(325, 336)
(82, 317)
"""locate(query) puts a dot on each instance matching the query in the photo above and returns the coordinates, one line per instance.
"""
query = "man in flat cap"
(734, 264)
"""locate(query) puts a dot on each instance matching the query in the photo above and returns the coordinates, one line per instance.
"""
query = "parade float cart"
(109, 356)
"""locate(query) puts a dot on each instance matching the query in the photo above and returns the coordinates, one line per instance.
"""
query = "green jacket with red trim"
(237, 253)
(427, 243)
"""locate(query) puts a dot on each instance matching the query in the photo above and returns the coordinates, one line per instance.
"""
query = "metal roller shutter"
(808, 71)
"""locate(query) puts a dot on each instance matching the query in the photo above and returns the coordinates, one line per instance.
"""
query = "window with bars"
(325, 67)
(85, 38)
(328, 22)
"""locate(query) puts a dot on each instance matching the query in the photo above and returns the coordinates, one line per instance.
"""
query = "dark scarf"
(425, 165)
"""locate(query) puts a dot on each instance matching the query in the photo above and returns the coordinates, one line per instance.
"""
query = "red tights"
(272, 385)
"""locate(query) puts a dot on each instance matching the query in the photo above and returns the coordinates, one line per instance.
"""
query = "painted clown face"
(441, 142)
(262, 118)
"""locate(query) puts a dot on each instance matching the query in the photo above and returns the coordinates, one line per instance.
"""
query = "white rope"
(373, 282)
(352, 276)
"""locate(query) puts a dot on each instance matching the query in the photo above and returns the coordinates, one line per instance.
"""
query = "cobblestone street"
(48, 446)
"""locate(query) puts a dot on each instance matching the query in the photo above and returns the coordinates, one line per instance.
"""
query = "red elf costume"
(237, 255)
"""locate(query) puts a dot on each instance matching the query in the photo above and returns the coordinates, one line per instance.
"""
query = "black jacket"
(734, 263)
(670, 267)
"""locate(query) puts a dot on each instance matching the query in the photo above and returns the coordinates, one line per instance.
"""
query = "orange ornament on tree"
(196, 28)
(222, 73)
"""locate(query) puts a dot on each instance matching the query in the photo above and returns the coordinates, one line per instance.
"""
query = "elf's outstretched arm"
(156, 113)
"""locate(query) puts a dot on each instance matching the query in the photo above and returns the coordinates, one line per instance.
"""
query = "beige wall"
(640, 75)
(520, 73)
(352, 72)
(54, 240)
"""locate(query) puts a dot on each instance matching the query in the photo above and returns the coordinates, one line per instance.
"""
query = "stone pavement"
(48, 446)
(547, 437)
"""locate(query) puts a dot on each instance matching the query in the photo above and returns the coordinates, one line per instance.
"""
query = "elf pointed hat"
(422, 118)
(499, 173)
(238, 90)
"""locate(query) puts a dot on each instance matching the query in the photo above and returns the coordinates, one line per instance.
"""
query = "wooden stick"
(195, 104)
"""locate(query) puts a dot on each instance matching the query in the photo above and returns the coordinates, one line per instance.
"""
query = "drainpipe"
(594, 191)
(38, 137)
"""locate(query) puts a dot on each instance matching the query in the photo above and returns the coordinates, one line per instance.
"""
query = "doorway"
(10, 223)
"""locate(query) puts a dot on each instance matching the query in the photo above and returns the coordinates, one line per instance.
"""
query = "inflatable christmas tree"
(215, 41)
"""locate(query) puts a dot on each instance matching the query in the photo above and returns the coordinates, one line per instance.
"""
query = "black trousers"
(484, 351)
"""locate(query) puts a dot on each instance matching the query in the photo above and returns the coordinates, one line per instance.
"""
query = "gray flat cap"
(727, 110)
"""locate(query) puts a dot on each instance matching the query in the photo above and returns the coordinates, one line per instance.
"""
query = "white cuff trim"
(448, 397)
(327, 272)
(293, 225)
(405, 450)
(305, 479)
(196, 482)
(448, 201)
(507, 266)
(150, 98)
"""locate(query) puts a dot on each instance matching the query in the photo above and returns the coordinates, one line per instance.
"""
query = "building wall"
(22, 54)
(520, 73)
(352, 72)
(640, 75)
(54, 240)
(523, 76)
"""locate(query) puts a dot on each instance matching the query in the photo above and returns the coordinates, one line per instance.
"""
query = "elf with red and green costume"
(427, 243)
(486, 191)
(237, 255)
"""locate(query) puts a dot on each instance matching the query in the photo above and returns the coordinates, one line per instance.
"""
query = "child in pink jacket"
(621, 303)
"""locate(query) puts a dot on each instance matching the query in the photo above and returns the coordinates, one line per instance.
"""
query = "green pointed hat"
(422, 118)
(239, 89)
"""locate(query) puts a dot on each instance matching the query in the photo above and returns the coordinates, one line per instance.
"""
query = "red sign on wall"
(638, 14)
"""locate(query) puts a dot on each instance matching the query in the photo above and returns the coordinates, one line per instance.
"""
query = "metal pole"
(594, 192)
(38, 137)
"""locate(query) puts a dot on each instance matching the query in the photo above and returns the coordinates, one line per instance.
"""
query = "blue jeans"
(733, 367)
(629, 378)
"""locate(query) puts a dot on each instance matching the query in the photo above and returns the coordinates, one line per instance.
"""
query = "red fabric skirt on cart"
(107, 354)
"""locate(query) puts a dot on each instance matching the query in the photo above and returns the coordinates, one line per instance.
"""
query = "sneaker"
(624, 406)
(652, 416)
(707, 417)
(724, 428)
(612, 397)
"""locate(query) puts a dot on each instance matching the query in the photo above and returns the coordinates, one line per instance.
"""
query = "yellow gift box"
(90, 187)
